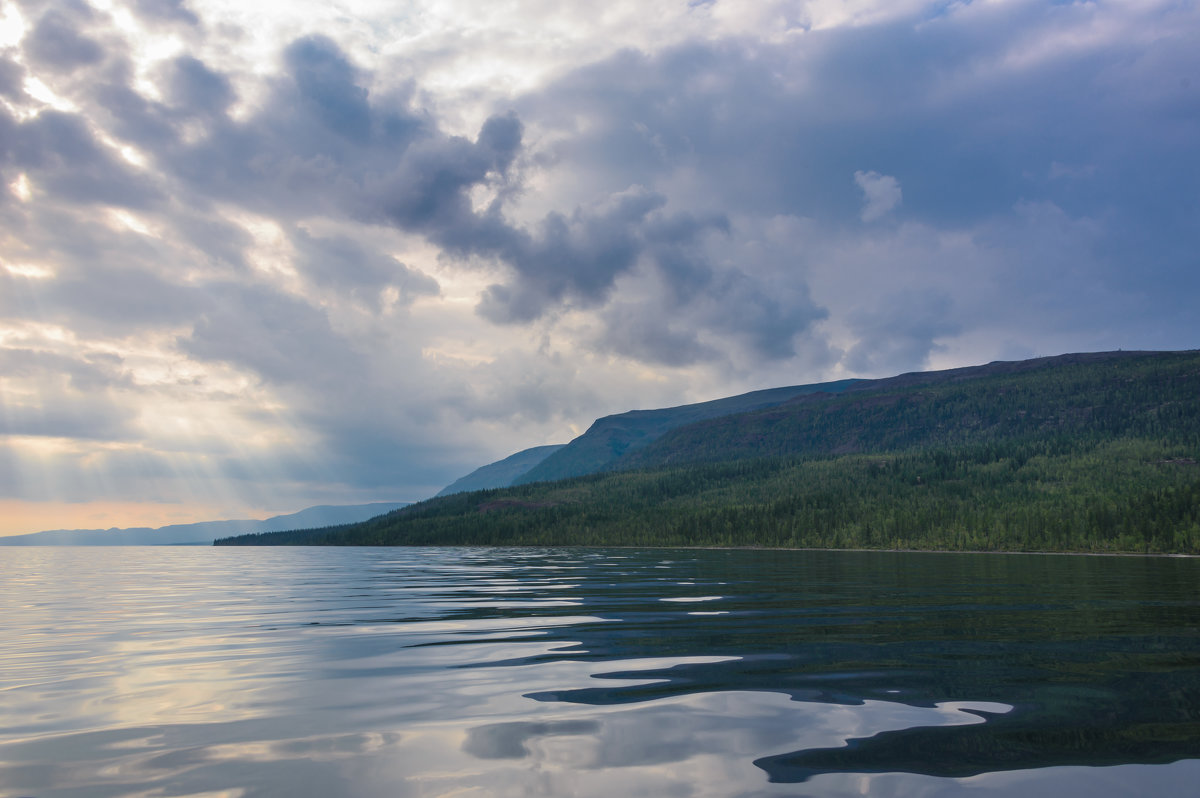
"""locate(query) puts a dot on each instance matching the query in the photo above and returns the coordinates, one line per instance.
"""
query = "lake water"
(513, 672)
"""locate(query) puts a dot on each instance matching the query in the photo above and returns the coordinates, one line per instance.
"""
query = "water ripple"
(397, 672)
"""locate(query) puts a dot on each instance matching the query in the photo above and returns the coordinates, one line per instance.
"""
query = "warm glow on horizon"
(24, 517)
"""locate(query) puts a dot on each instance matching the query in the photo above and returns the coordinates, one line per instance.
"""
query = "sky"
(257, 257)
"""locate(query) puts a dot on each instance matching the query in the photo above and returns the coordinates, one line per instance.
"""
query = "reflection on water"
(427, 672)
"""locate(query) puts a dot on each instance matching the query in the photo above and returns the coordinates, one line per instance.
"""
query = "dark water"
(440, 672)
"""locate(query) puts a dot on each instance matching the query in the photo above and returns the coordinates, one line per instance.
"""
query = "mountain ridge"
(501, 473)
(1081, 452)
(778, 431)
(204, 532)
(611, 438)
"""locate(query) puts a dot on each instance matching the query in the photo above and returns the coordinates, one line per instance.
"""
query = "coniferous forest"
(1089, 453)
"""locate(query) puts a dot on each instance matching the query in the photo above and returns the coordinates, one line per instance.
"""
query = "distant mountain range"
(1081, 452)
(205, 532)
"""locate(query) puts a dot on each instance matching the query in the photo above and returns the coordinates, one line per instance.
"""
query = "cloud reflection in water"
(363, 673)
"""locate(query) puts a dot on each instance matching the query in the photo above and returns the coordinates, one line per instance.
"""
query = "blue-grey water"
(519, 672)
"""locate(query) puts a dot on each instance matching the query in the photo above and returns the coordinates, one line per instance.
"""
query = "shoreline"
(917, 551)
(1157, 555)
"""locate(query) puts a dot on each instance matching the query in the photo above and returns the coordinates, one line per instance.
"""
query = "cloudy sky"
(336, 251)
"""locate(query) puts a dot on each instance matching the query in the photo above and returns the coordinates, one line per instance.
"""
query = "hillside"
(501, 473)
(1090, 452)
(1094, 397)
(204, 532)
(612, 438)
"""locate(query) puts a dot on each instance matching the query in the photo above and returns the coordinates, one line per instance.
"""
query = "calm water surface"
(513, 672)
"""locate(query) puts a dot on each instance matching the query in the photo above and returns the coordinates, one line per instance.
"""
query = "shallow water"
(426, 672)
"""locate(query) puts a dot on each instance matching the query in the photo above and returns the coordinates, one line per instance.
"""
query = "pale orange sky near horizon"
(24, 517)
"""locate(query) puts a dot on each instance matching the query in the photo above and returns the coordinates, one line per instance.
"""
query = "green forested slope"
(610, 439)
(1072, 456)
(1093, 397)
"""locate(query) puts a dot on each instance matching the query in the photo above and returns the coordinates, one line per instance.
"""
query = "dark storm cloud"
(969, 113)
(316, 146)
(762, 129)
(728, 307)
(282, 339)
(642, 114)
(340, 264)
(320, 145)
(101, 298)
(328, 86)
(574, 258)
(62, 155)
(768, 321)
(427, 191)
(55, 42)
(12, 79)
(219, 243)
(900, 335)
(577, 260)
(196, 89)
(166, 11)
(135, 119)
(117, 297)
(641, 332)
(781, 129)
(8, 129)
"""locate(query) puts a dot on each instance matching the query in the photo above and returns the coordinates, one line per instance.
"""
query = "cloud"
(900, 335)
(639, 331)
(328, 86)
(63, 155)
(572, 259)
(56, 43)
(166, 11)
(322, 146)
(91, 371)
(282, 339)
(12, 79)
(72, 419)
(196, 89)
(340, 264)
(881, 194)
(345, 254)
(75, 399)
